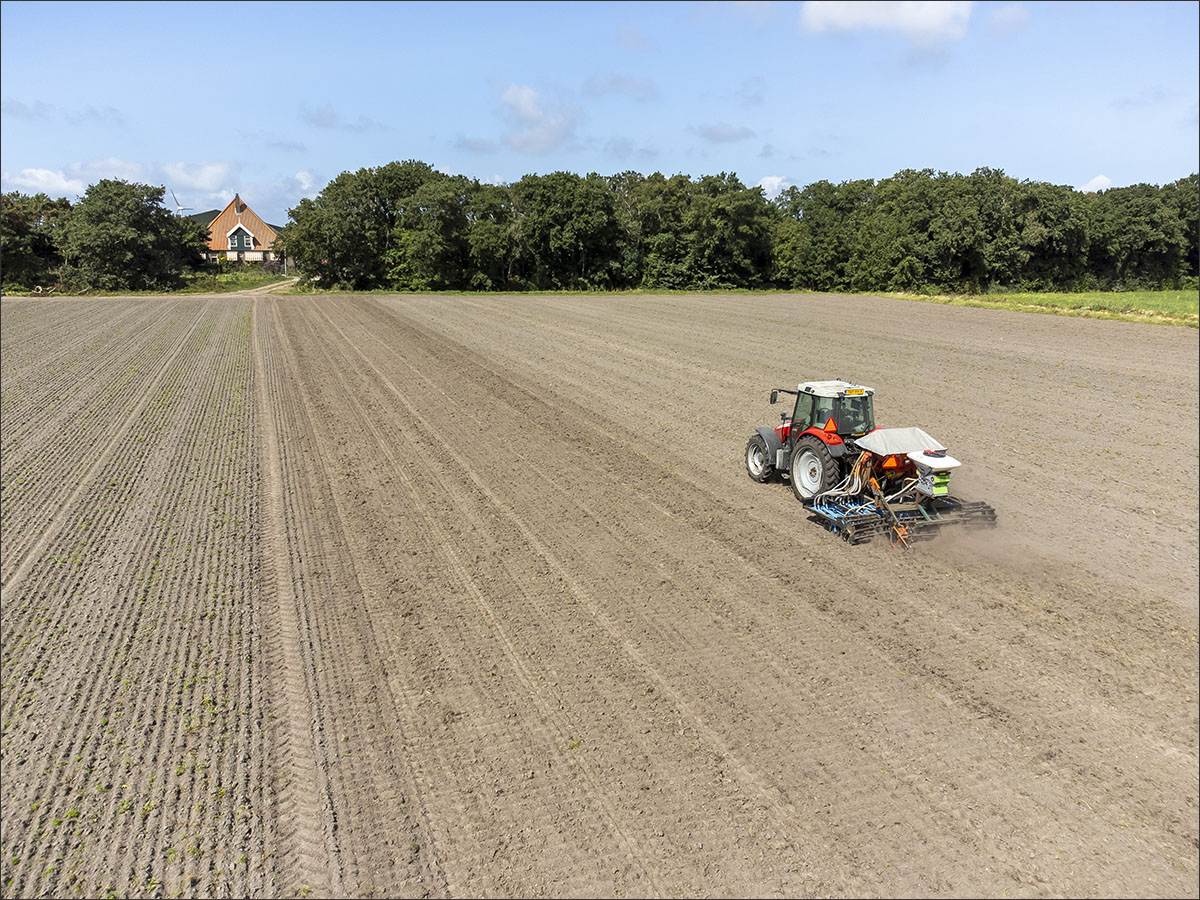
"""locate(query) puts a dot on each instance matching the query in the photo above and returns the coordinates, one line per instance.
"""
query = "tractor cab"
(831, 407)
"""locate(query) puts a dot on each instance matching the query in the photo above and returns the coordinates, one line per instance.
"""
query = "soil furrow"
(19, 559)
(171, 621)
(438, 596)
(574, 428)
(303, 863)
(528, 683)
(39, 465)
(358, 762)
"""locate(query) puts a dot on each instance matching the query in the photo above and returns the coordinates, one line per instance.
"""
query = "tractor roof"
(834, 388)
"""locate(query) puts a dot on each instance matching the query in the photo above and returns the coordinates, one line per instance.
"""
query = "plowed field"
(436, 595)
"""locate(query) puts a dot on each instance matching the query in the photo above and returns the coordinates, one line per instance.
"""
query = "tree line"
(405, 226)
(117, 237)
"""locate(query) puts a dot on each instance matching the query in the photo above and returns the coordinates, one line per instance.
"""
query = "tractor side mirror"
(774, 396)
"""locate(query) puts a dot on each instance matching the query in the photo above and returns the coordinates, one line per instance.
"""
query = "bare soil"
(445, 595)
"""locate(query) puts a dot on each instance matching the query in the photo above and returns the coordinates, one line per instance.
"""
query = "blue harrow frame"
(912, 518)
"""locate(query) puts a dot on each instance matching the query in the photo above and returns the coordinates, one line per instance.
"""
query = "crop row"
(132, 701)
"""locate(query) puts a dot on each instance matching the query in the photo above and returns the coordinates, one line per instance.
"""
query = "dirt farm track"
(471, 596)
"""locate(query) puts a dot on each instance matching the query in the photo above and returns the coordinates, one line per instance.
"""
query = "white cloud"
(204, 176)
(920, 21)
(533, 128)
(45, 181)
(1009, 19)
(28, 111)
(328, 118)
(1099, 183)
(286, 145)
(772, 185)
(723, 132)
(110, 167)
(40, 111)
(322, 117)
(474, 145)
(640, 89)
(304, 180)
(523, 102)
(73, 179)
(752, 90)
(1147, 96)
(97, 115)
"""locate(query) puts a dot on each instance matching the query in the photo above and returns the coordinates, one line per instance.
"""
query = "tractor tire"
(758, 460)
(814, 470)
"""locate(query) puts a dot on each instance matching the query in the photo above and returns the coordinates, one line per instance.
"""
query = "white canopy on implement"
(901, 441)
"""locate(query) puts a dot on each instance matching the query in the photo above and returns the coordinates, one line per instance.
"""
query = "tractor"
(855, 479)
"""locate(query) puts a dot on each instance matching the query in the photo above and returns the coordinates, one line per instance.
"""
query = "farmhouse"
(237, 233)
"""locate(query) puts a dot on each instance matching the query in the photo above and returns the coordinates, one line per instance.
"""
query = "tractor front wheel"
(758, 460)
(814, 470)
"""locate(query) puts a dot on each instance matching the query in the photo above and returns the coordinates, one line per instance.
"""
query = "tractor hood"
(899, 441)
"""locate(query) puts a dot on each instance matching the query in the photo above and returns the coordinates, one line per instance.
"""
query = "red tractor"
(856, 479)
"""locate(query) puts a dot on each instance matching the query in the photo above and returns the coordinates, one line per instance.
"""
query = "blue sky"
(274, 100)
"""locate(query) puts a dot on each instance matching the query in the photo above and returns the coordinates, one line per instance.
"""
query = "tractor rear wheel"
(814, 470)
(758, 460)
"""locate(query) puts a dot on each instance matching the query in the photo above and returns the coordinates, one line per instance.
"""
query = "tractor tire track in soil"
(435, 595)
(329, 640)
(302, 858)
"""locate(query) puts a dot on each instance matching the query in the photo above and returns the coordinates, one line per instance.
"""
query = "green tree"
(729, 229)
(406, 226)
(1054, 238)
(430, 244)
(491, 256)
(626, 189)
(565, 231)
(120, 237)
(1185, 196)
(1138, 238)
(346, 235)
(876, 227)
(662, 207)
(30, 235)
(820, 236)
(683, 234)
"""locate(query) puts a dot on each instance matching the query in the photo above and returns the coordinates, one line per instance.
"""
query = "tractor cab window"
(823, 411)
(803, 414)
(856, 415)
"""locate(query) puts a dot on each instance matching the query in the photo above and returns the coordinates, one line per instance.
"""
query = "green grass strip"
(1158, 307)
